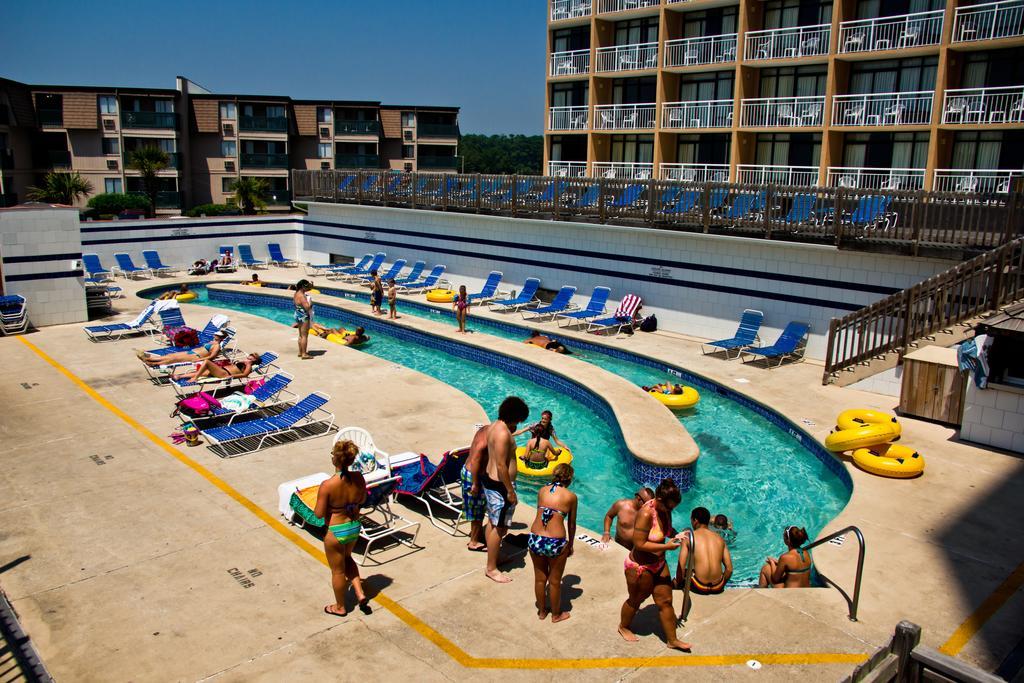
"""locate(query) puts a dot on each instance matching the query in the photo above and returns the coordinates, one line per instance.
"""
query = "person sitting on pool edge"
(539, 450)
(665, 388)
(538, 339)
(174, 294)
(712, 565)
(793, 568)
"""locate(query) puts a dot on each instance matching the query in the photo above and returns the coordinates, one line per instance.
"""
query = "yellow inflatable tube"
(548, 470)
(890, 460)
(861, 437)
(186, 297)
(688, 399)
(441, 296)
(340, 338)
(858, 417)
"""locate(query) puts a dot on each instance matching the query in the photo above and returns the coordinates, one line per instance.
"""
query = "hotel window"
(324, 150)
(408, 119)
(993, 68)
(633, 148)
(633, 31)
(227, 110)
(893, 75)
(572, 94)
(870, 9)
(885, 150)
(275, 111)
(788, 149)
(988, 150)
(111, 185)
(787, 13)
(111, 146)
(324, 114)
(407, 135)
(564, 40)
(703, 149)
(225, 185)
(408, 151)
(634, 90)
(163, 106)
(801, 81)
(711, 22)
(228, 148)
(108, 104)
(710, 85)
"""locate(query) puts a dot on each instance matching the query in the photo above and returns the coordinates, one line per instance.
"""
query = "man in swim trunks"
(625, 511)
(712, 565)
(303, 315)
(538, 339)
(474, 505)
(498, 478)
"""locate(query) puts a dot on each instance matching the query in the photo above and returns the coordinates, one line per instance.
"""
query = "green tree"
(149, 161)
(61, 188)
(522, 154)
(249, 193)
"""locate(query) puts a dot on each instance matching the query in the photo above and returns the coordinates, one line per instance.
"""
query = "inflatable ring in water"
(890, 460)
(688, 399)
(441, 296)
(861, 437)
(858, 417)
(548, 469)
(186, 297)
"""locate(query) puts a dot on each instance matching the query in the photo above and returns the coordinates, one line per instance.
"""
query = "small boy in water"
(392, 300)
(721, 525)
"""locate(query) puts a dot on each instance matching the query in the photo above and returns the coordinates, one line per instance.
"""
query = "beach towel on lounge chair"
(621, 319)
(438, 487)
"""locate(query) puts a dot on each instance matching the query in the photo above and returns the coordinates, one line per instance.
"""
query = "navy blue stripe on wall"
(233, 236)
(43, 276)
(42, 257)
(130, 225)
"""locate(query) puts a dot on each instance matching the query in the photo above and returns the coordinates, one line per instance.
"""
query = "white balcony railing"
(991, 20)
(876, 178)
(985, 181)
(783, 43)
(628, 57)
(629, 170)
(702, 50)
(623, 5)
(777, 175)
(705, 114)
(570, 63)
(696, 173)
(984, 105)
(883, 109)
(569, 9)
(891, 33)
(567, 118)
(567, 169)
(783, 112)
(624, 116)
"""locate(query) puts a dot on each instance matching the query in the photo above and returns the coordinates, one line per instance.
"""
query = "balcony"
(567, 169)
(173, 159)
(437, 130)
(251, 160)
(6, 159)
(777, 175)
(983, 106)
(891, 33)
(148, 119)
(277, 197)
(568, 118)
(166, 199)
(701, 51)
(625, 170)
(342, 127)
(787, 43)
(624, 116)
(989, 21)
(696, 173)
(990, 181)
(883, 109)
(51, 118)
(636, 57)
(357, 161)
(263, 124)
(876, 178)
(58, 158)
(783, 112)
(623, 5)
(428, 161)
(570, 63)
(706, 114)
(569, 9)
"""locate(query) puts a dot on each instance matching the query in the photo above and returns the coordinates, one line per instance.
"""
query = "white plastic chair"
(361, 438)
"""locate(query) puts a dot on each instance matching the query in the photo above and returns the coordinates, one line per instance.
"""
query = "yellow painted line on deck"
(415, 623)
(985, 611)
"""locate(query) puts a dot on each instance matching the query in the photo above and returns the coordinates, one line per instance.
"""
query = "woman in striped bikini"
(338, 502)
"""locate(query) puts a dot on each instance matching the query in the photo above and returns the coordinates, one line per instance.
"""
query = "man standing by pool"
(303, 315)
(625, 511)
(498, 477)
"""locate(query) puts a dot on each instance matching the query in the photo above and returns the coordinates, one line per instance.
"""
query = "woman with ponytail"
(793, 568)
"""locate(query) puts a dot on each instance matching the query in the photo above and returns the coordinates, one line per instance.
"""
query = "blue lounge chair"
(393, 184)
(548, 195)
(370, 182)
(621, 319)
(801, 211)
(593, 309)
(746, 335)
(669, 197)
(430, 282)
(183, 387)
(413, 275)
(392, 272)
(128, 269)
(871, 212)
(438, 487)
(328, 268)
(306, 419)
(345, 182)
(685, 203)
(630, 197)
(562, 302)
(153, 262)
(789, 346)
(589, 197)
(226, 252)
(246, 258)
(489, 290)
(743, 205)
(278, 258)
(268, 396)
(94, 269)
(170, 317)
(527, 298)
(356, 272)
(205, 335)
(143, 324)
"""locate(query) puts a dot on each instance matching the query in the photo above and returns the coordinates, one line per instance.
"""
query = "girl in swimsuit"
(646, 570)
(550, 541)
(537, 449)
(237, 369)
(338, 502)
(461, 307)
(793, 568)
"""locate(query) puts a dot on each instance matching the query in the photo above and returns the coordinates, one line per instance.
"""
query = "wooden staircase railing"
(984, 283)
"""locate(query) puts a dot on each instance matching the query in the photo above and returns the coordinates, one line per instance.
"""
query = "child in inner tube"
(666, 388)
(538, 449)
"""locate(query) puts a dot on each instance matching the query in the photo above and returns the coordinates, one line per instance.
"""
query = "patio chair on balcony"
(809, 46)
(628, 60)
(728, 54)
(607, 119)
(610, 173)
(846, 181)
(956, 108)
(786, 113)
(766, 49)
(909, 36)
(967, 184)
(630, 120)
(675, 117)
(893, 182)
(691, 56)
(811, 115)
(976, 109)
(579, 122)
(854, 116)
(893, 115)
(853, 42)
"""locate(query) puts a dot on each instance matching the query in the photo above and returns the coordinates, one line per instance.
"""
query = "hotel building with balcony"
(212, 139)
(884, 94)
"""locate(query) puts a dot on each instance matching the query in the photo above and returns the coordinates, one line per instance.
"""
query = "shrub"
(212, 210)
(113, 203)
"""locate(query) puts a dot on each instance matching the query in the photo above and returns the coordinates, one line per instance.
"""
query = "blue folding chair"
(489, 290)
(128, 269)
(527, 298)
(306, 419)
(789, 346)
(391, 274)
(153, 262)
(431, 281)
(278, 258)
(629, 198)
(94, 269)
(143, 324)
(746, 335)
(413, 275)
(246, 258)
(594, 308)
(561, 303)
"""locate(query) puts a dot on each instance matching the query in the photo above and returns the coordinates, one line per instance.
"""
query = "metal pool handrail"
(687, 574)
(853, 603)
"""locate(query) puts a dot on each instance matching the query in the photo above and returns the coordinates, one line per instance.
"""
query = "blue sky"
(482, 55)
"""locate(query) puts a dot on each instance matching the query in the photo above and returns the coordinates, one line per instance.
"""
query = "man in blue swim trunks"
(498, 478)
(474, 505)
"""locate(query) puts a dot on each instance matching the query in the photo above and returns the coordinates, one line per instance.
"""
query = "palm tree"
(149, 161)
(61, 188)
(249, 193)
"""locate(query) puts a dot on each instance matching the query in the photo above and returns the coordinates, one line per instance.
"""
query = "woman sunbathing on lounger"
(239, 368)
(338, 502)
(208, 351)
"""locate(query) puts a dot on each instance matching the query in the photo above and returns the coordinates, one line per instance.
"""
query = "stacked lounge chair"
(13, 314)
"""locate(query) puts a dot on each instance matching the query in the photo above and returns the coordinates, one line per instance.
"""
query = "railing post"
(557, 197)
(600, 200)
(445, 191)
(650, 202)
(908, 314)
(706, 207)
(479, 192)
(906, 638)
(837, 216)
(767, 218)
(1012, 199)
(359, 189)
(415, 188)
(384, 189)
(515, 194)
(833, 326)
(334, 185)
(994, 294)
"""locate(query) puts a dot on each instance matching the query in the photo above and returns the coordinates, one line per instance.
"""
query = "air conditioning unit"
(109, 124)
(325, 132)
(229, 130)
(111, 164)
(229, 166)
(325, 165)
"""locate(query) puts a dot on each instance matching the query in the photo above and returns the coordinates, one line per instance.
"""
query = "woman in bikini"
(461, 307)
(537, 448)
(793, 568)
(646, 570)
(550, 541)
(238, 369)
(208, 351)
(338, 502)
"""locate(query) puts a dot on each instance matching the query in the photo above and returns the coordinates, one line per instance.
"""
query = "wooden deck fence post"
(837, 216)
(833, 326)
(334, 185)
(1012, 200)
(360, 180)
(557, 196)
(907, 637)
(705, 207)
(415, 188)
(600, 200)
(479, 192)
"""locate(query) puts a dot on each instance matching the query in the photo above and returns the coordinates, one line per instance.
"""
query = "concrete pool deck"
(133, 559)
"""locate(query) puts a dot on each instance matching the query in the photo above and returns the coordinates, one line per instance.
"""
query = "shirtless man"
(538, 339)
(498, 478)
(474, 505)
(712, 565)
(625, 510)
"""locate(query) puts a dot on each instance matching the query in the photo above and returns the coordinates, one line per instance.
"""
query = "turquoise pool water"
(749, 469)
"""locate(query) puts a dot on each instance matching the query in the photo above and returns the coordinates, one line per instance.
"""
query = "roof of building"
(1011, 319)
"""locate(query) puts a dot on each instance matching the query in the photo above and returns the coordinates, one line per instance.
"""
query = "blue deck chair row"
(272, 395)
(306, 419)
